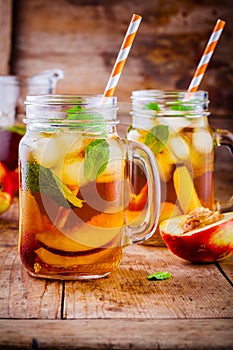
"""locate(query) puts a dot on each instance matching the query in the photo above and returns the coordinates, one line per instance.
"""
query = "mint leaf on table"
(158, 276)
(96, 158)
(152, 106)
(156, 138)
(38, 179)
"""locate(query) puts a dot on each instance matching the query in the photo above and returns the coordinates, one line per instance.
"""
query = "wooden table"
(192, 310)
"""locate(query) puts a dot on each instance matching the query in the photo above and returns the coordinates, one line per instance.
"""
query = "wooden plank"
(194, 291)
(226, 266)
(117, 334)
(5, 35)
(23, 296)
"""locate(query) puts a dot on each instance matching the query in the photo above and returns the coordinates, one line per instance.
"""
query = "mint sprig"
(38, 179)
(156, 138)
(152, 106)
(179, 105)
(96, 158)
(88, 122)
(158, 276)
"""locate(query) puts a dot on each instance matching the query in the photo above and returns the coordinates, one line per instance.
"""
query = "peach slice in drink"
(65, 262)
(86, 237)
(185, 190)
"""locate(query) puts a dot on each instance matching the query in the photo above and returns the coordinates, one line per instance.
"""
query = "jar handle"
(137, 152)
(225, 138)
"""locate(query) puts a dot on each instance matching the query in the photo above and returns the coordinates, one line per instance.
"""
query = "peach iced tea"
(177, 132)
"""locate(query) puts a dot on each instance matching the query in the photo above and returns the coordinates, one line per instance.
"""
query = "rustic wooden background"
(83, 37)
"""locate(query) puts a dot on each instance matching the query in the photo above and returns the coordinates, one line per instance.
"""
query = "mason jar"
(75, 188)
(174, 125)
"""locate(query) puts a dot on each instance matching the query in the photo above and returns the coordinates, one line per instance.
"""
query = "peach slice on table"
(185, 190)
(210, 243)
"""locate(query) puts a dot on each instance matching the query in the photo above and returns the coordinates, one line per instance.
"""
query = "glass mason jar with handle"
(174, 125)
(75, 188)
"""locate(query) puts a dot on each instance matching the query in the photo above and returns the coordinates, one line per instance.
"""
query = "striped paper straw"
(122, 56)
(205, 59)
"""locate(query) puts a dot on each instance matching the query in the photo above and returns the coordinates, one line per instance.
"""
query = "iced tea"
(59, 238)
(175, 127)
(74, 189)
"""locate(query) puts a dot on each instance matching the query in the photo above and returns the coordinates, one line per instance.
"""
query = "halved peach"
(210, 243)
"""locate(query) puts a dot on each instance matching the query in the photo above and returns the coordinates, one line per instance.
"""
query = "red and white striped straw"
(207, 54)
(122, 56)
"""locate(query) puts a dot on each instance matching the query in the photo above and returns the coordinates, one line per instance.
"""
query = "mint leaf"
(73, 111)
(93, 122)
(96, 158)
(156, 138)
(77, 113)
(158, 276)
(18, 129)
(152, 105)
(38, 179)
(180, 106)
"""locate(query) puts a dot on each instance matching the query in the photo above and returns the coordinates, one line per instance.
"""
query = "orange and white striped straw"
(122, 56)
(207, 54)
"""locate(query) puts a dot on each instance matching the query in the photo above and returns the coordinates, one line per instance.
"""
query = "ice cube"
(202, 141)
(47, 151)
(72, 172)
(175, 124)
(179, 147)
(74, 144)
